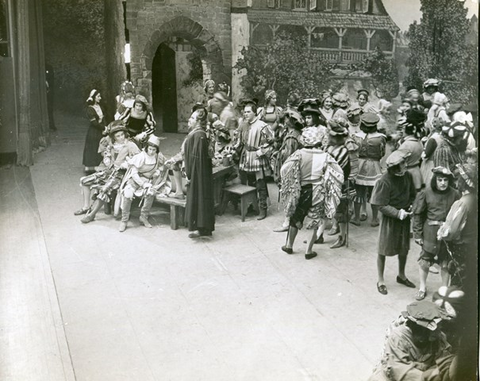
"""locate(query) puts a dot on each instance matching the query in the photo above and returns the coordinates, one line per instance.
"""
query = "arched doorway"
(178, 48)
(164, 89)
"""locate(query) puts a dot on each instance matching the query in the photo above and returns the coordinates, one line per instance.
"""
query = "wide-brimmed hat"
(455, 129)
(340, 100)
(369, 119)
(396, 157)
(431, 82)
(425, 313)
(450, 300)
(114, 127)
(142, 99)
(442, 171)
(198, 106)
(295, 118)
(337, 125)
(311, 136)
(464, 118)
(310, 105)
(154, 140)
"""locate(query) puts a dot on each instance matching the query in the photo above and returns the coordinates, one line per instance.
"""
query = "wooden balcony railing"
(344, 56)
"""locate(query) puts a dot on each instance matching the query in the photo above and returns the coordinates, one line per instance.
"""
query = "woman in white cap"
(430, 87)
(393, 195)
(144, 169)
(311, 188)
(96, 117)
(139, 121)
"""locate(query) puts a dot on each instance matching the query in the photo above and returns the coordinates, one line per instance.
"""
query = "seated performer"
(139, 181)
(116, 148)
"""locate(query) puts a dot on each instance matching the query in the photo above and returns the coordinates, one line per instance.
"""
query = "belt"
(250, 148)
(434, 223)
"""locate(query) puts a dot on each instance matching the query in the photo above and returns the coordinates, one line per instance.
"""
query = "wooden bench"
(247, 195)
(177, 210)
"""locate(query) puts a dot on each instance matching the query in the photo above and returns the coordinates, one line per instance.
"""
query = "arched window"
(324, 38)
(383, 40)
(354, 39)
(262, 35)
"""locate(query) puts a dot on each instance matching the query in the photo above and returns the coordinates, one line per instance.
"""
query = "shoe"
(334, 230)
(355, 222)
(281, 229)
(287, 250)
(375, 223)
(421, 295)
(122, 227)
(320, 239)
(310, 255)
(338, 243)
(363, 216)
(88, 218)
(79, 212)
(382, 289)
(433, 269)
(405, 282)
(144, 221)
(262, 215)
(180, 196)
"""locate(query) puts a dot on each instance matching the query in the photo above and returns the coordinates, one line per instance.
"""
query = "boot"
(144, 221)
(90, 216)
(339, 242)
(122, 227)
(126, 206)
(263, 214)
(107, 209)
(319, 239)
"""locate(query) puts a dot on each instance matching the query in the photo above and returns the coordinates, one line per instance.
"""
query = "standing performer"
(257, 140)
(430, 210)
(199, 211)
(394, 194)
(311, 187)
(338, 136)
(96, 116)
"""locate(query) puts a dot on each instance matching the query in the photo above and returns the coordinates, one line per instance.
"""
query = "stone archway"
(185, 28)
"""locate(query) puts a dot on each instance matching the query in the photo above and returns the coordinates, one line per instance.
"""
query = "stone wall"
(241, 31)
(205, 24)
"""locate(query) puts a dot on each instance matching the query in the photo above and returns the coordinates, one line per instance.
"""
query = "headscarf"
(91, 97)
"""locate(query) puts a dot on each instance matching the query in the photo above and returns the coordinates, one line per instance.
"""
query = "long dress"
(199, 211)
(91, 156)
(392, 193)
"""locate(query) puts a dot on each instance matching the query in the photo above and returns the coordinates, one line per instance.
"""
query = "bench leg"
(173, 217)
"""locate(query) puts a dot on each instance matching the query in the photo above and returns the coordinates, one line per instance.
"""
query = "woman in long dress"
(96, 117)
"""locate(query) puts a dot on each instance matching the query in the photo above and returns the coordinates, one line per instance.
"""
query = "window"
(313, 5)
(262, 35)
(324, 38)
(354, 39)
(383, 40)
(271, 3)
(4, 48)
(361, 6)
(300, 4)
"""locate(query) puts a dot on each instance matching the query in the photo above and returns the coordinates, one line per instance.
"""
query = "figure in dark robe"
(200, 211)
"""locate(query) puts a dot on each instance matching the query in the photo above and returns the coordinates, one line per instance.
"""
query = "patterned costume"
(311, 186)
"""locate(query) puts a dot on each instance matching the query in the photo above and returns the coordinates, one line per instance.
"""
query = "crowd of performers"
(327, 156)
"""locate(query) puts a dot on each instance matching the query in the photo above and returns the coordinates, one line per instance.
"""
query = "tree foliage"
(74, 37)
(439, 49)
(284, 65)
(382, 70)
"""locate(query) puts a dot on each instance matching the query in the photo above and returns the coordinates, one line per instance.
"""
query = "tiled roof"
(322, 19)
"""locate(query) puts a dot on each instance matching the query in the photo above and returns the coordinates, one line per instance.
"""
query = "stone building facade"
(163, 32)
